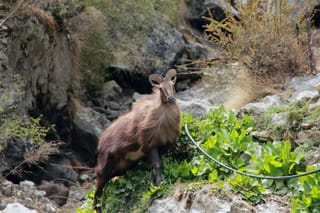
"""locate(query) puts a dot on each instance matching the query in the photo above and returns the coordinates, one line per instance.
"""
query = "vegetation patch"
(28, 129)
(225, 136)
(115, 36)
(269, 39)
(295, 113)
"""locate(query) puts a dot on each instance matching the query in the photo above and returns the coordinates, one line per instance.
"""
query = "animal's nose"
(171, 99)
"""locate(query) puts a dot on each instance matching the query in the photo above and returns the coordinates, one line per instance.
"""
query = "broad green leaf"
(276, 163)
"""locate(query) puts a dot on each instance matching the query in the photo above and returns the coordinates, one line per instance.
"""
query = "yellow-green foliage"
(27, 129)
(270, 38)
(12, 125)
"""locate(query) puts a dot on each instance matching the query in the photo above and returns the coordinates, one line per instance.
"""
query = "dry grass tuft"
(37, 155)
(269, 39)
(37, 9)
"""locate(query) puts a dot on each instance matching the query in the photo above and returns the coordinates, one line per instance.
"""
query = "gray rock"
(263, 105)
(304, 83)
(78, 195)
(17, 208)
(301, 96)
(264, 135)
(3, 204)
(202, 200)
(89, 124)
(49, 208)
(7, 188)
(39, 194)
(162, 46)
(113, 105)
(196, 109)
(280, 119)
(4, 27)
(55, 191)
(47, 65)
(61, 170)
(314, 157)
(111, 91)
(274, 204)
(311, 137)
(26, 185)
(28, 202)
(205, 200)
(137, 96)
(84, 177)
(240, 206)
(6, 183)
(90, 121)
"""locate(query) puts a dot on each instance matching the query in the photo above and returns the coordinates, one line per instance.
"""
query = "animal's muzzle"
(171, 99)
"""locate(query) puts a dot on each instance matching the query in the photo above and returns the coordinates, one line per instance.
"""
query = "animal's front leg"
(154, 157)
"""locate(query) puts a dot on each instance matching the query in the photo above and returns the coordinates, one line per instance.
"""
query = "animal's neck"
(166, 112)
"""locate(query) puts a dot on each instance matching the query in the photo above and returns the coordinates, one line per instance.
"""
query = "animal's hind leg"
(103, 174)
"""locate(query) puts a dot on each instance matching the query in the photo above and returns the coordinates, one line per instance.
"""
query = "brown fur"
(152, 123)
(149, 124)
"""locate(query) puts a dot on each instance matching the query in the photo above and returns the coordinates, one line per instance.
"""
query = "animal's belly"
(128, 160)
(134, 155)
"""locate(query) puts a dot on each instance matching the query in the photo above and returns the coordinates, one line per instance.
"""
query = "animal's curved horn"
(155, 79)
(172, 75)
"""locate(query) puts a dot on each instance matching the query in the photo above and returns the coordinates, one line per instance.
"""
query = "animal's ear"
(172, 75)
(155, 80)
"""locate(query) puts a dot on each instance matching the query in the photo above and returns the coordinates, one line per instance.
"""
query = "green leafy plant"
(225, 135)
(306, 195)
(251, 189)
(278, 159)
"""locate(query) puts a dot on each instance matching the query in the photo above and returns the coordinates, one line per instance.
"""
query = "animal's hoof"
(157, 180)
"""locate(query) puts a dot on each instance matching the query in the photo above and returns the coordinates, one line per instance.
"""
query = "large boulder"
(88, 125)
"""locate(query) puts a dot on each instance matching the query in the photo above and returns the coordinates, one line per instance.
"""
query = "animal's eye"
(173, 78)
(155, 82)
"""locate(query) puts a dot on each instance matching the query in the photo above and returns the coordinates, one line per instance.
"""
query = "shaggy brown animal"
(152, 123)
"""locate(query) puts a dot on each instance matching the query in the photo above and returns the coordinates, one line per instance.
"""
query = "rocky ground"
(27, 197)
(48, 96)
(301, 89)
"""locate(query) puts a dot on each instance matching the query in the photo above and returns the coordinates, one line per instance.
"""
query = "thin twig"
(12, 13)
(73, 167)
(312, 65)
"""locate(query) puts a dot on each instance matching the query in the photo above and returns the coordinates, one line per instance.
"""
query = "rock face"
(162, 46)
(45, 61)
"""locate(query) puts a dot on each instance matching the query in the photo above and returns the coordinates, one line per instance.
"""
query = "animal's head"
(165, 85)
